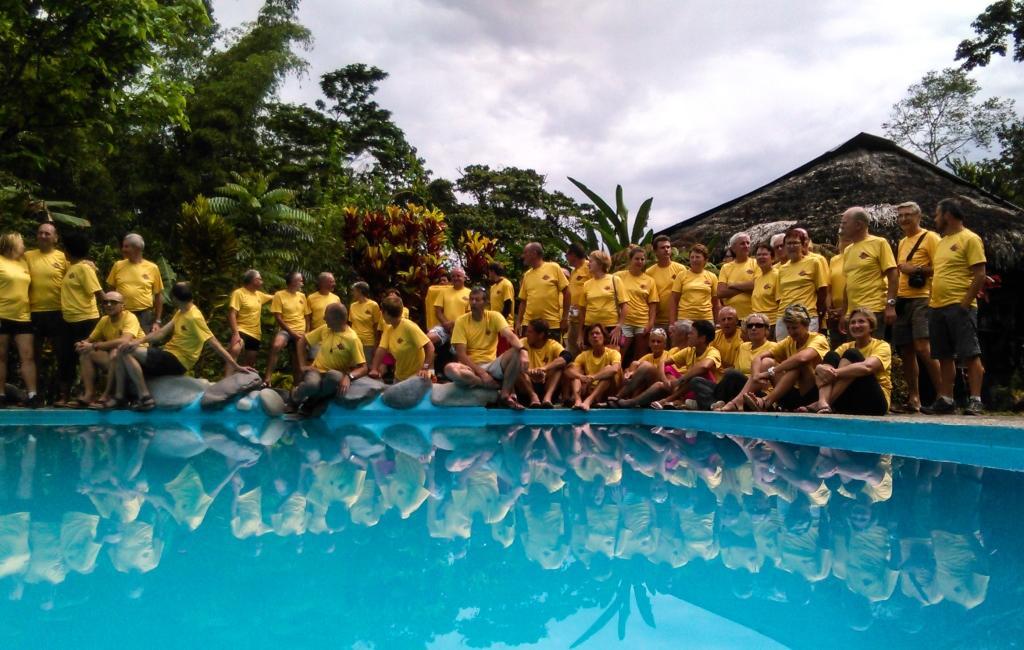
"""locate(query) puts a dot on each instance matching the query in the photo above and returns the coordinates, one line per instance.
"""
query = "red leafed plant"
(476, 251)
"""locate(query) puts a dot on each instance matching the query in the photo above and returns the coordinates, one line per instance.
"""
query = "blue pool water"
(194, 534)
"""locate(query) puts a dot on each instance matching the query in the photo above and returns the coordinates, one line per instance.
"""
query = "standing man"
(736, 279)
(452, 301)
(915, 259)
(959, 275)
(503, 294)
(318, 300)
(579, 273)
(47, 266)
(245, 313)
(544, 293)
(870, 269)
(139, 281)
(664, 272)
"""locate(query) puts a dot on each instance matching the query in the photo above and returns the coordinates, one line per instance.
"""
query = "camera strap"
(913, 250)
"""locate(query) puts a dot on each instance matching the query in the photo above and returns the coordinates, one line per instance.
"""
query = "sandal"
(547, 404)
(79, 403)
(108, 404)
(753, 402)
(513, 403)
(145, 403)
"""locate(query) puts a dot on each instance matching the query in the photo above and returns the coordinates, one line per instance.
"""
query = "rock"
(176, 392)
(272, 402)
(406, 394)
(362, 390)
(14, 394)
(219, 394)
(454, 395)
(244, 404)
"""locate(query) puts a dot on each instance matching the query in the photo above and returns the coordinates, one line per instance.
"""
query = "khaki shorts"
(911, 321)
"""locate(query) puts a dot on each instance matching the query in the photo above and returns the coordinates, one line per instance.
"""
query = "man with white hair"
(139, 281)
(870, 269)
(736, 279)
(116, 328)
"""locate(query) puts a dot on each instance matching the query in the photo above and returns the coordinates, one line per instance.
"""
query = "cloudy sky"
(692, 102)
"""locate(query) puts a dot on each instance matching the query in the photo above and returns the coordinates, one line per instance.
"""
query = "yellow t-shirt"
(340, 351)
(14, 289)
(664, 280)
(293, 308)
(405, 343)
(799, 282)
(542, 289)
(881, 351)
(249, 304)
(47, 272)
(822, 262)
(695, 292)
(107, 330)
(641, 291)
(577, 278)
(479, 336)
(923, 256)
(602, 298)
(592, 365)
(78, 293)
(138, 283)
(318, 303)
(764, 299)
(384, 324)
(685, 358)
(428, 303)
(837, 280)
(736, 273)
(864, 265)
(190, 335)
(728, 348)
(453, 302)
(545, 354)
(954, 257)
(655, 360)
(787, 347)
(501, 291)
(745, 357)
(364, 317)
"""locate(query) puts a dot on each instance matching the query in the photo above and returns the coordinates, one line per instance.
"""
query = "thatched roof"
(870, 171)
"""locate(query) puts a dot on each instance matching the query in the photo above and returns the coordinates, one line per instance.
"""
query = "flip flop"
(657, 406)
(108, 404)
(514, 404)
(547, 405)
(753, 402)
(146, 403)
(535, 405)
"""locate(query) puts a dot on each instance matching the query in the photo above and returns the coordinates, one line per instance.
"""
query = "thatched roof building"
(866, 170)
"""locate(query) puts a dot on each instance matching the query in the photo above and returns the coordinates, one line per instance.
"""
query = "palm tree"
(613, 225)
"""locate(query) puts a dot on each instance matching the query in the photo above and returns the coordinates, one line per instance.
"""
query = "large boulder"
(272, 402)
(361, 391)
(14, 394)
(406, 394)
(176, 392)
(220, 393)
(455, 395)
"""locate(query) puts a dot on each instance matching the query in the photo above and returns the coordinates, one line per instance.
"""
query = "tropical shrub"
(476, 252)
(613, 225)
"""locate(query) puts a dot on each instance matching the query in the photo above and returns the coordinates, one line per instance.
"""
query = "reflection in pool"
(342, 536)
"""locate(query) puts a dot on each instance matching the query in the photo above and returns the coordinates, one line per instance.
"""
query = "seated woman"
(854, 379)
(546, 360)
(700, 365)
(790, 373)
(595, 373)
(757, 328)
(643, 373)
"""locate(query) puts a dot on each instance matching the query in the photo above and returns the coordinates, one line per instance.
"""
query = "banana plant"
(613, 224)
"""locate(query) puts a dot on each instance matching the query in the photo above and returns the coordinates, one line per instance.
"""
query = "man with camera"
(915, 254)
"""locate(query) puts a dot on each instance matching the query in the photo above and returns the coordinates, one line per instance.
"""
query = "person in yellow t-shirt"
(729, 388)
(117, 327)
(728, 338)
(477, 364)
(291, 311)
(80, 291)
(364, 317)
(595, 373)
(410, 349)
(604, 299)
(502, 293)
(642, 308)
(837, 289)
(319, 299)
(915, 258)
(140, 282)
(15, 314)
(644, 373)
(803, 280)
(579, 273)
(47, 265)
(186, 334)
(664, 271)
(958, 278)
(700, 366)
(870, 269)
(855, 379)
(245, 310)
(695, 291)
(452, 301)
(736, 279)
(546, 361)
(543, 292)
(763, 299)
(338, 363)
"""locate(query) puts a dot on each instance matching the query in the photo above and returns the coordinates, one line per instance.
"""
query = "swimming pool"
(177, 531)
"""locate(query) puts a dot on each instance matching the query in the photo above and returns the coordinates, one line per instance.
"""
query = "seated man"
(188, 333)
(792, 367)
(645, 372)
(338, 362)
(596, 372)
(700, 365)
(728, 338)
(412, 351)
(475, 339)
(115, 329)
(547, 359)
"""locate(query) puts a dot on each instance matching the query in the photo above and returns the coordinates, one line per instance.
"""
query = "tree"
(940, 116)
(613, 225)
(995, 26)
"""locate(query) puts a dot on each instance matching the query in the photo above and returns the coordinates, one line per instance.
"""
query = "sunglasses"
(751, 326)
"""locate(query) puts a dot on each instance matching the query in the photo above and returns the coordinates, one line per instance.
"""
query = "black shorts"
(953, 332)
(159, 363)
(14, 327)
(249, 342)
(47, 324)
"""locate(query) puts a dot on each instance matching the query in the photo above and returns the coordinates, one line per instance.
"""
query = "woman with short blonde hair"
(603, 301)
(15, 315)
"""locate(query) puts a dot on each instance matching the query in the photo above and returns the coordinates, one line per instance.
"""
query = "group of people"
(779, 327)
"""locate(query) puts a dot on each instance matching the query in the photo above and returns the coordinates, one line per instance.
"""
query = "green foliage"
(996, 26)
(940, 117)
(613, 225)
(209, 260)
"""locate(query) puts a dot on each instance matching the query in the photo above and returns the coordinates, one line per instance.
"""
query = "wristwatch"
(350, 377)
(891, 302)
